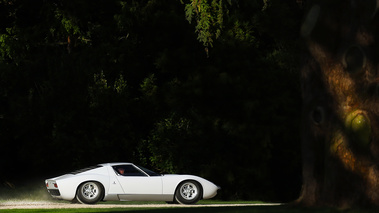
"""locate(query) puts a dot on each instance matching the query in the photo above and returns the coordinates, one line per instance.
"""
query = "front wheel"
(89, 193)
(188, 192)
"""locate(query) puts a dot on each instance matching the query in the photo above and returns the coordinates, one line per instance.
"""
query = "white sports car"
(128, 182)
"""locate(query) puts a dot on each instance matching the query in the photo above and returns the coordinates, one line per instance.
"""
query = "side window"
(128, 170)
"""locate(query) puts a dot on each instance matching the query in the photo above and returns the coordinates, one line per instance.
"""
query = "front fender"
(171, 182)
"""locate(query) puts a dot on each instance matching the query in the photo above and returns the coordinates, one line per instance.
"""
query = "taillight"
(47, 184)
(55, 185)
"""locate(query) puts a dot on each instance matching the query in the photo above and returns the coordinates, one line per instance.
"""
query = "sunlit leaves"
(120, 84)
(69, 24)
(243, 32)
(101, 87)
(190, 12)
(209, 17)
(148, 86)
(10, 46)
(101, 81)
(5, 48)
(167, 144)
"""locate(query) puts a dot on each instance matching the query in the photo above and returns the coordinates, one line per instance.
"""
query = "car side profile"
(129, 182)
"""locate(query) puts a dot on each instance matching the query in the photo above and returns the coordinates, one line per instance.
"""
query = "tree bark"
(340, 84)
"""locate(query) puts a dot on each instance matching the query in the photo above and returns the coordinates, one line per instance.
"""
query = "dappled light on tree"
(340, 155)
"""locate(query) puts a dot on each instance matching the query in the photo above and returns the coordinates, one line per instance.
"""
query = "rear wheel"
(188, 192)
(89, 193)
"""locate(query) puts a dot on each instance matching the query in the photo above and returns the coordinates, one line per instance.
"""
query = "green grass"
(247, 209)
(198, 209)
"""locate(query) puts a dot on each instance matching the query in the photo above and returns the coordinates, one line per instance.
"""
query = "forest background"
(210, 88)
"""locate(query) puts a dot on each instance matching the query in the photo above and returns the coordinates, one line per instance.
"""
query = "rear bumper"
(54, 192)
(52, 188)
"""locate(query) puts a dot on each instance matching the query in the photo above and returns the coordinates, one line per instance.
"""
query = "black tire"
(188, 192)
(90, 192)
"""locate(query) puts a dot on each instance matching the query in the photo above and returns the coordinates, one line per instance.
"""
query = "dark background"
(85, 82)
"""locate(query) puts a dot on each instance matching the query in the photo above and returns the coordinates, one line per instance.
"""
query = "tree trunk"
(340, 84)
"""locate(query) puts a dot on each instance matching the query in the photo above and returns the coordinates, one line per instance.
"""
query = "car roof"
(114, 164)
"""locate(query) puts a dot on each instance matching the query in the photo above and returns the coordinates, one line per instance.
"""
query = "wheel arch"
(96, 181)
(198, 182)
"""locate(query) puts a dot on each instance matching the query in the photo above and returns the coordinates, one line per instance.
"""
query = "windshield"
(149, 172)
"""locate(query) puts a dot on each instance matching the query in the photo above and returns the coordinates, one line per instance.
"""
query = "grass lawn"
(199, 209)
(247, 209)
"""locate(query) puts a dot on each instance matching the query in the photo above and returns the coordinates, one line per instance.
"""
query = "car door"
(135, 182)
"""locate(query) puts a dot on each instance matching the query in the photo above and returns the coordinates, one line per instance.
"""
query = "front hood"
(173, 175)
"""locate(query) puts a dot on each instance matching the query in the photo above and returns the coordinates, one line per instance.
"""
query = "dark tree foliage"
(85, 83)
